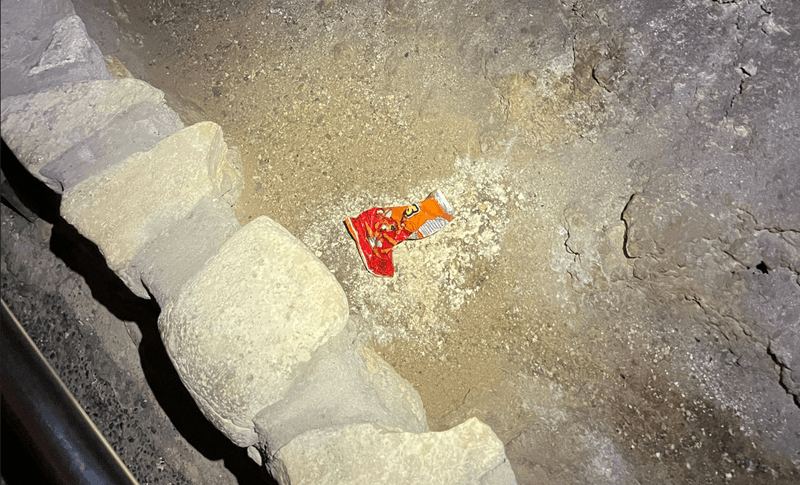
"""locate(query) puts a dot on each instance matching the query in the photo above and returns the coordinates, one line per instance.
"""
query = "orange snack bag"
(378, 230)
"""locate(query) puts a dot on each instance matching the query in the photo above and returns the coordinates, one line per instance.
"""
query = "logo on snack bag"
(411, 210)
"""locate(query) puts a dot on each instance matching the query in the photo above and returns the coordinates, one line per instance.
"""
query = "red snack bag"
(378, 230)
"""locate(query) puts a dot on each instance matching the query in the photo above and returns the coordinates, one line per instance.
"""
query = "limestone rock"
(71, 46)
(396, 393)
(168, 261)
(44, 45)
(127, 205)
(40, 128)
(134, 129)
(244, 326)
(773, 304)
(342, 385)
(469, 453)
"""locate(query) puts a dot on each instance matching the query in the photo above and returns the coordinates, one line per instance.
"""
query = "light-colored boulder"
(468, 454)
(134, 129)
(71, 49)
(248, 323)
(39, 128)
(168, 261)
(44, 45)
(343, 384)
(125, 206)
(396, 393)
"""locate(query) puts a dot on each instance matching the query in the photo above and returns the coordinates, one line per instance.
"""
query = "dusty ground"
(332, 118)
(557, 130)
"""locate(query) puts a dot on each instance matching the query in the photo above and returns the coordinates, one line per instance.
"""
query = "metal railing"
(67, 443)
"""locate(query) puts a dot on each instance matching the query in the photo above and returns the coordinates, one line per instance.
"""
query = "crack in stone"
(627, 227)
(713, 314)
(569, 249)
(783, 370)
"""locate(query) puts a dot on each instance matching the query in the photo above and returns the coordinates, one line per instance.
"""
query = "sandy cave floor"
(525, 310)
(331, 119)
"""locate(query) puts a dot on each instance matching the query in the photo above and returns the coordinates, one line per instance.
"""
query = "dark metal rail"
(68, 444)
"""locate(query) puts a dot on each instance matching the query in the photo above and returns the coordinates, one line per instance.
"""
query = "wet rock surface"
(618, 294)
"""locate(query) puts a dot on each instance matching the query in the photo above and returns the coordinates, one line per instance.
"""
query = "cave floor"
(596, 353)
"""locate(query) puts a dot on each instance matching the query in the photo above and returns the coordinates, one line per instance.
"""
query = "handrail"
(68, 444)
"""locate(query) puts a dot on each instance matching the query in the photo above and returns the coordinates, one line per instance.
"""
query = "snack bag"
(378, 230)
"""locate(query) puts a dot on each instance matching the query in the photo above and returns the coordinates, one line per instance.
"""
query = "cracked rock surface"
(618, 296)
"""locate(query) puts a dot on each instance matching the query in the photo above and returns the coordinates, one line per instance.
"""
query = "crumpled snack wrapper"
(378, 230)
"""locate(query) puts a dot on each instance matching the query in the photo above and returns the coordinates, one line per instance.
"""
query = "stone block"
(469, 453)
(396, 393)
(127, 205)
(134, 129)
(342, 385)
(44, 45)
(248, 323)
(40, 128)
(168, 261)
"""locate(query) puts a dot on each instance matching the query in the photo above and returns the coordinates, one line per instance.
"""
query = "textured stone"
(343, 385)
(723, 259)
(657, 227)
(134, 129)
(469, 453)
(124, 207)
(244, 326)
(42, 127)
(773, 300)
(169, 260)
(71, 46)
(44, 44)
(395, 392)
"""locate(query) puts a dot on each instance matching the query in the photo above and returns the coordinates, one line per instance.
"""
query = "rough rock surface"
(366, 453)
(131, 203)
(45, 45)
(41, 127)
(136, 128)
(343, 385)
(245, 325)
(169, 260)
